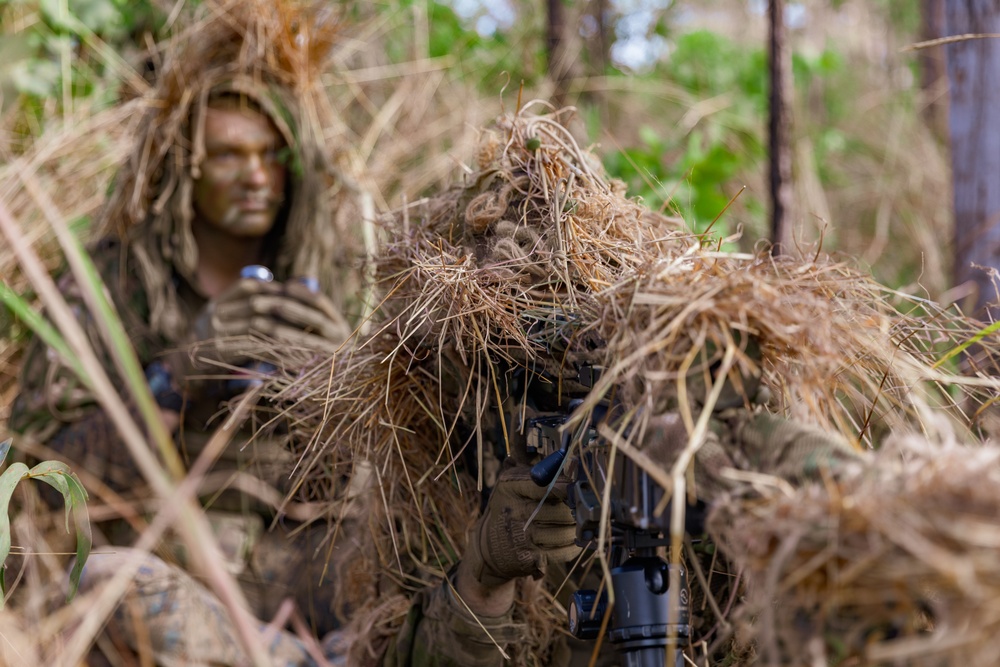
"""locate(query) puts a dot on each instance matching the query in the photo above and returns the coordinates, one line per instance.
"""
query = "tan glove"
(223, 333)
(283, 311)
(501, 548)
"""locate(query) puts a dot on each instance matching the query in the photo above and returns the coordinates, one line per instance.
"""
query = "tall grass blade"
(43, 329)
(121, 349)
(983, 333)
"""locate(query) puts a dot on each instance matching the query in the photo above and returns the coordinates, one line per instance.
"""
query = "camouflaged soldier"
(226, 173)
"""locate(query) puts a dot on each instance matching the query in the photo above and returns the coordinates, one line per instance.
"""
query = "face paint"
(242, 181)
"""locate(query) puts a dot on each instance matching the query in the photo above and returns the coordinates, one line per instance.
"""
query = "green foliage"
(708, 64)
(447, 34)
(57, 475)
(50, 57)
(695, 173)
(904, 15)
(103, 17)
(482, 59)
(694, 157)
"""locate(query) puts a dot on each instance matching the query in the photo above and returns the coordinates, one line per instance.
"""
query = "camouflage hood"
(264, 53)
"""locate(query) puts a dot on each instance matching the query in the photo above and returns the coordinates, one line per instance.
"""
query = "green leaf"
(52, 473)
(447, 34)
(8, 482)
(649, 136)
(58, 16)
(100, 16)
(84, 537)
(58, 475)
(830, 62)
(35, 77)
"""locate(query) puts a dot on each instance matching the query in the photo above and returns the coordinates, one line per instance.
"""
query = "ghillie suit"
(538, 266)
(267, 55)
(272, 54)
(892, 563)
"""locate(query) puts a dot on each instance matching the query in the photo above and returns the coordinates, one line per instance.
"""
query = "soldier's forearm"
(440, 632)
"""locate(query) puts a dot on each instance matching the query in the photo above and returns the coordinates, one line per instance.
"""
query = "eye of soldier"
(222, 153)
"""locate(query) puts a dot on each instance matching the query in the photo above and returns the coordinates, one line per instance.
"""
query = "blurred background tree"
(974, 81)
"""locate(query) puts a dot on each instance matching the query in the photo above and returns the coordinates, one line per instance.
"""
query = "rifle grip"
(543, 472)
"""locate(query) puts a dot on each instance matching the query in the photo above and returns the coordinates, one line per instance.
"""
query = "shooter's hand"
(502, 548)
(223, 333)
(299, 316)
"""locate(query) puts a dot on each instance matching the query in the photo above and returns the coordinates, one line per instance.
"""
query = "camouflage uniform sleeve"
(772, 445)
(440, 632)
(55, 407)
(793, 450)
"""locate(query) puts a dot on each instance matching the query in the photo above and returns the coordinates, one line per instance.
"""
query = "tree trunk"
(779, 127)
(558, 62)
(974, 115)
(933, 77)
(600, 53)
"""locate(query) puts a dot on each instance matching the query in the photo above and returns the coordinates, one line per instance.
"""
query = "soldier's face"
(242, 181)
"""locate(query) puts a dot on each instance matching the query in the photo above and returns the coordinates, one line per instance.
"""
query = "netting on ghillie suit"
(539, 266)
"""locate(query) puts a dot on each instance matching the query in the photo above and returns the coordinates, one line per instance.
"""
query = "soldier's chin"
(251, 224)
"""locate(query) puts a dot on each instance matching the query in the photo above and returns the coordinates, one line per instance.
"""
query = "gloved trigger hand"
(502, 547)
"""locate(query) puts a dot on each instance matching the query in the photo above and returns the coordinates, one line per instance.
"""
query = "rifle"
(641, 627)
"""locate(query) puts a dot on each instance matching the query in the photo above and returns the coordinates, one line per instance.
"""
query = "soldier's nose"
(255, 173)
